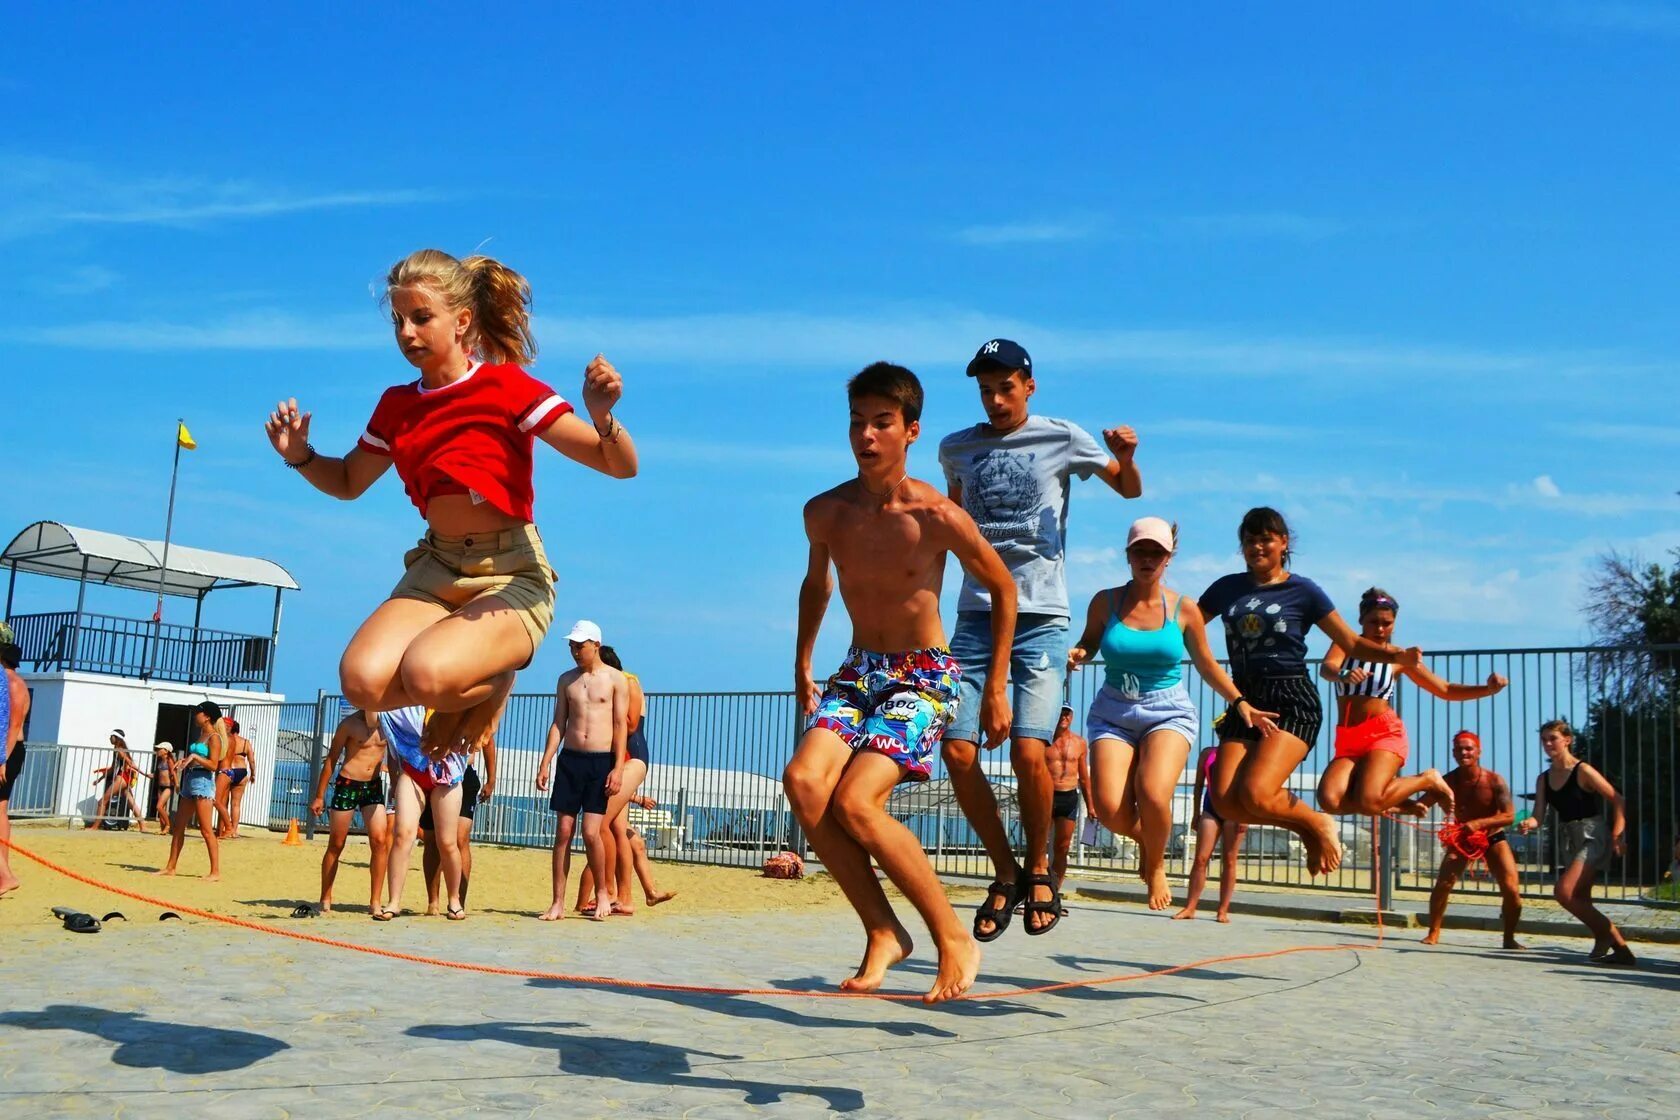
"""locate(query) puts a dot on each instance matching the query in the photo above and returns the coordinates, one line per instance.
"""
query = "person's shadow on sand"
(767, 1010)
(634, 1060)
(147, 1044)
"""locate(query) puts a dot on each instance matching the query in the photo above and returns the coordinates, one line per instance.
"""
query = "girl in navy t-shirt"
(1268, 612)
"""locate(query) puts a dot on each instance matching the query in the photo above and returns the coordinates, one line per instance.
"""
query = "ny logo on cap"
(990, 347)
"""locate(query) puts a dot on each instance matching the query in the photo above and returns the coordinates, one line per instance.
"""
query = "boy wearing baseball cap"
(590, 707)
(1011, 473)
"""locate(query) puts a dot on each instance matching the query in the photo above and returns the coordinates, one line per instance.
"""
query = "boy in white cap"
(1012, 473)
(590, 704)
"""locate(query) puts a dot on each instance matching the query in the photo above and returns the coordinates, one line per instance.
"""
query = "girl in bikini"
(1268, 613)
(477, 595)
(1371, 747)
(198, 789)
(231, 782)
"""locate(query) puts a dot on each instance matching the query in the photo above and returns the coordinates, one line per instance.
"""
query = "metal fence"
(718, 759)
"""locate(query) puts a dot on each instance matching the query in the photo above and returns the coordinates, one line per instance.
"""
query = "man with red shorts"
(1482, 802)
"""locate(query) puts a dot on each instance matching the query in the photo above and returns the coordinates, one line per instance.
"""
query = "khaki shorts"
(509, 565)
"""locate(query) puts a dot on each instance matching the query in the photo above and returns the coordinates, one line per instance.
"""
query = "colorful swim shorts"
(896, 704)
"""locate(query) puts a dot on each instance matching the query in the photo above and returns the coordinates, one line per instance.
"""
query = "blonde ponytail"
(499, 298)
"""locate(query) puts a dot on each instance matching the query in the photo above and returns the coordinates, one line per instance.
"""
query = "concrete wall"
(80, 710)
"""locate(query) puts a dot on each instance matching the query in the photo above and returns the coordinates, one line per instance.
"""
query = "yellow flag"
(184, 437)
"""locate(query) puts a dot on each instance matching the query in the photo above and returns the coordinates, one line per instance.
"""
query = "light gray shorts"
(1114, 715)
(1586, 839)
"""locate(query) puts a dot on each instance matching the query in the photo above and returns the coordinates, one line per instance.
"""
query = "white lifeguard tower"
(88, 673)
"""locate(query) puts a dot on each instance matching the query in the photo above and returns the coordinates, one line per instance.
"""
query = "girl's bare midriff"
(457, 515)
(1358, 709)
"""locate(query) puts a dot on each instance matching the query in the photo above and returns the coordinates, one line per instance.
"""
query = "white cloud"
(1630, 15)
(1546, 488)
(1621, 433)
(785, 340)
(40, 195)
(81, 281)
(1029, 233)
(1256, 225)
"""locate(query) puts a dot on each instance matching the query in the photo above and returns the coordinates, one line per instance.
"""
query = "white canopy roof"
(49, 548)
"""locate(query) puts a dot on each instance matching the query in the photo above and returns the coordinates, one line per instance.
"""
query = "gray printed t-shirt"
(1015, 486)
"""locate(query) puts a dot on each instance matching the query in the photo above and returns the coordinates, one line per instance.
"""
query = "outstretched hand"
(1497, 682)
(288, 429)
(603, 386)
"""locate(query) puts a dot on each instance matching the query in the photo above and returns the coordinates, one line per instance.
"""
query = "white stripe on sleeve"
(542, 409)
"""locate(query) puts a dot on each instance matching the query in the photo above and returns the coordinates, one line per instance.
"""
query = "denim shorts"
(1114, 715)
(1037, 670)
(198, 782)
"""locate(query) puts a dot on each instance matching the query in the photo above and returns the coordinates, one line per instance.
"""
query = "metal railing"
(718, 759)
(133, 647)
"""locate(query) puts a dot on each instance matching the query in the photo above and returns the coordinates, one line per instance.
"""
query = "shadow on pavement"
(144, 1043)
(766, 1009)
(636, 1061)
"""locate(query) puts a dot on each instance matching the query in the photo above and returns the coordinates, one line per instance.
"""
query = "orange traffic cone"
(292, 840)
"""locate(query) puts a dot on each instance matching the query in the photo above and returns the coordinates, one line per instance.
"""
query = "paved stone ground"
(165, 1019)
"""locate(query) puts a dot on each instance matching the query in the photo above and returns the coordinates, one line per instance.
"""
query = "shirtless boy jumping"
(883, 713)
(589, 716)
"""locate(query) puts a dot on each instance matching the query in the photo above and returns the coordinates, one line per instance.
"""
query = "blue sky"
(1406, 274)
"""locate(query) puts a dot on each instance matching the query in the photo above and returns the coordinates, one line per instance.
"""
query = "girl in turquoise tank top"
(1142, 723)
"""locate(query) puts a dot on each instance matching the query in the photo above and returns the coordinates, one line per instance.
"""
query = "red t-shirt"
(475, 433)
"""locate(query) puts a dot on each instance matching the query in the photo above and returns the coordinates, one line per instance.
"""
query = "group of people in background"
(122, 777)
(599, 721)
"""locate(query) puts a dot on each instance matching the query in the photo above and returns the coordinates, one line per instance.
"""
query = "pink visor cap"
(1154, 529)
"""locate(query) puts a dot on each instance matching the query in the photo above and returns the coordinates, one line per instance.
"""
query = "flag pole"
(168, 529)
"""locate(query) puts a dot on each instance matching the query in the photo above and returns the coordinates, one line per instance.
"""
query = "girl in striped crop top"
(1371, 744)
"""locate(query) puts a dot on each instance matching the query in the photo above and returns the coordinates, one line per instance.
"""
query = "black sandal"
(456, 913)
(999, 917)
(1052, 909)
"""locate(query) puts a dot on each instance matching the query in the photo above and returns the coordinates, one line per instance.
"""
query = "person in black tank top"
(1579, 793)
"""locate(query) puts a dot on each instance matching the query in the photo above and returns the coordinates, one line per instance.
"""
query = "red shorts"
(1385, 732)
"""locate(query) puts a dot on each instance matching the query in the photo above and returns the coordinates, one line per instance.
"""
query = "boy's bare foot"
(1511, 943)
(10, 883)
(1621, 955)
(884, 949)
(662, 896)
(623, 910)
(1223, 917)
(603, 908)
(1160, 892)
(1433, 937)
(1600, 949)
(164, 871)
(1185, 914)
(552, 914)
(1439, 787)
(959, 964)
(325, 906)
(213, 877)
(432, 910)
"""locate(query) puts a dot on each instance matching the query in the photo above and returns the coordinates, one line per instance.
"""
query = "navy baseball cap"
(1000, 353)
